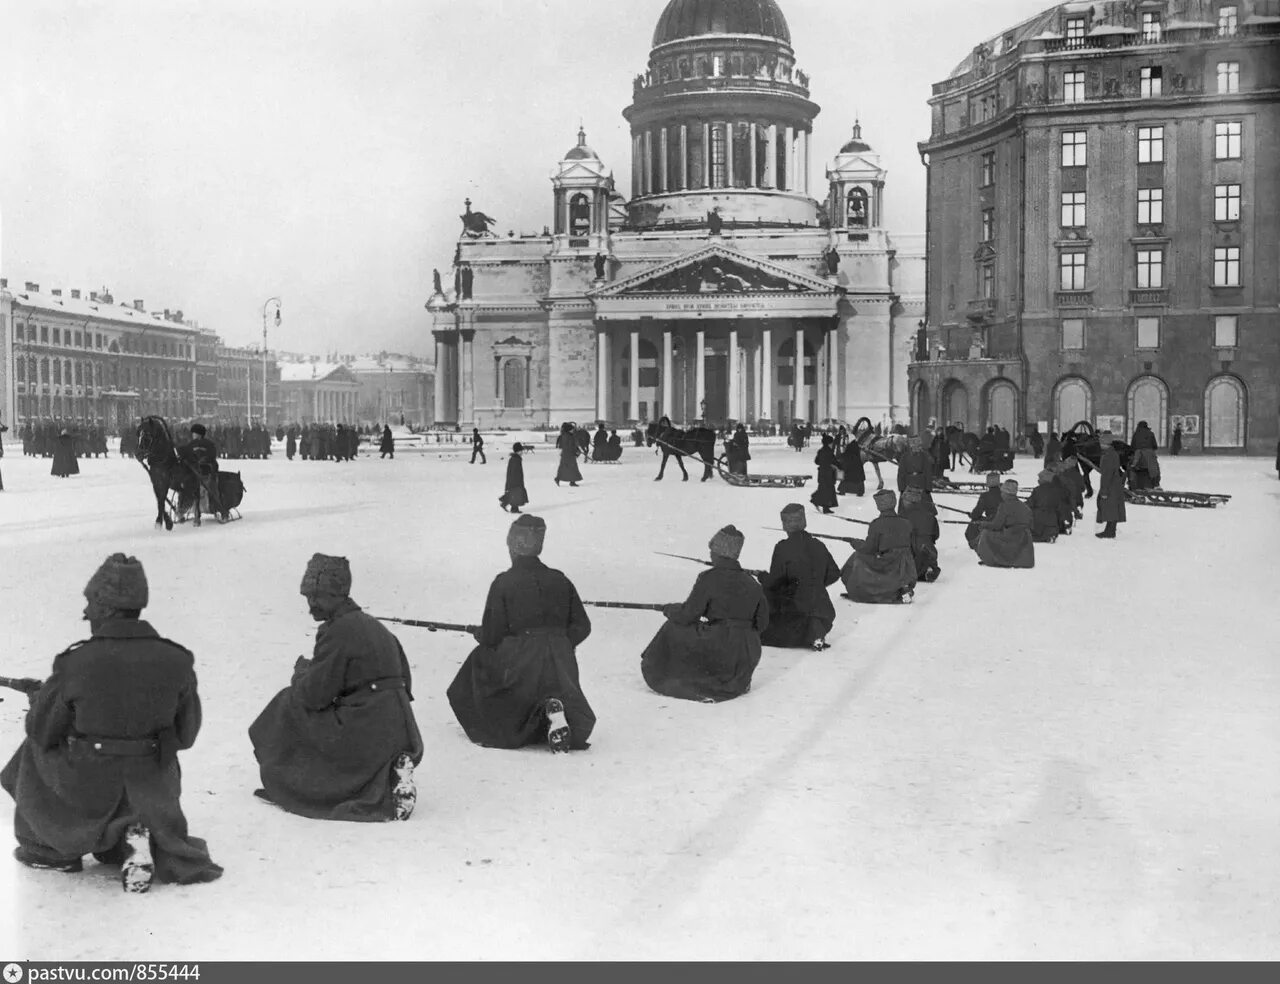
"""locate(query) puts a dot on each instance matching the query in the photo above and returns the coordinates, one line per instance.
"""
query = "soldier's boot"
(404, 793)
(558, 734)
(34, 859)
(138, 868)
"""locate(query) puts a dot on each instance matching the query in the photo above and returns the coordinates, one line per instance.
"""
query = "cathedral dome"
(581, 152)
(694, 18)
(856, 145)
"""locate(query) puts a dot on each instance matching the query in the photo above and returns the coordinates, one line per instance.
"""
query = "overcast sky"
(205, 156)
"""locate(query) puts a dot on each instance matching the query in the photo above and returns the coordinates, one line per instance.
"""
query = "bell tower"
(857, 186)
(581, 187)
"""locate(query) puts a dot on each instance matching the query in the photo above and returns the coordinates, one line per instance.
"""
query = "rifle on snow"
(430, 626)
(704, 563)
(639, 606)
(24, 685)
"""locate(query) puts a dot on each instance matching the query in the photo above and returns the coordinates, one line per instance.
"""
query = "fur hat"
(120, 583)
(1009, 486)
(517, 448)
(1046, 476)
(526, 535)
(885, 500)
(993, 479)
(793, 517)
(727, 542)
(198, 429)
(325, 573)
(1105, 438)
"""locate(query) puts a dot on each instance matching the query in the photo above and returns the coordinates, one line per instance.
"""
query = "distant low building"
(240, 395)
(394, 388)
(318, 393)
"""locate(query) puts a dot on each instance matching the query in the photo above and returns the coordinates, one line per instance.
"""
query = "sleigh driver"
(200, 455)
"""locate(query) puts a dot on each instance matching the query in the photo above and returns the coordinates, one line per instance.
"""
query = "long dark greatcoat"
(568, 470)
(1050, 505)
(128, 684)
(881, 566)
(713, 659)
(824, 497)
(853, 477)
(915, 470)
(986, 507)
(1006, 537)
(924, 534)
(1110, 487)
(533, 621)
(800, 609)
(514, 493)
(388, 443)
(325, 744)
(64, 457)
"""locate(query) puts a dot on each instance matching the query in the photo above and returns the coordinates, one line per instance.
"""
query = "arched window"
(857, 208)
(513, 389)
(579, 215)
(1002, 406)
(1225, 404)
(1149, 401)
(920, 406)
(956, 404)
(1072, 403)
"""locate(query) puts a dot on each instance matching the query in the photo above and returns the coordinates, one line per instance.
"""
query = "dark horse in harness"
(697, 442)
(176, 483)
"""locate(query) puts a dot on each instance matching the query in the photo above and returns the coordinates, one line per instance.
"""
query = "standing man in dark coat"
(738, 451)
(1110, 488)
(800, 609)
(514, 495)
(64, 456)
(520, 685)
(1175, 444)
(1006, 537)
(1144, 467)
(915, 468)
(824, 497)
(881, 570)
(340, 742)
(388, 444)
(853, 477)
(985, 509)
(567, 444)
(600, 443)
(98, 772)
(477, 446)
(710, 646)
(291, 443)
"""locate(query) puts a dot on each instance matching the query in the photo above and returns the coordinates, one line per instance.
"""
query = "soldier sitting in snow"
(882, 570)
(924, 533)
(520, 686)
(340, 742)
(800, 610)
(1006, 537)
(98, 771)
(710, 645)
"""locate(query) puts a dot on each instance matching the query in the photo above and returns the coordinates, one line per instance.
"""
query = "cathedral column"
(440, 377)
(637, 146)
(804, 150)
(728, 155)
(648, 162)
(799, 405)
(757, 364)
(833, 370)
(700, 373)
(468, 378)
(735, 403)
(706, 155)
(602, 374)
(684, 156)
(315, 405)
(788, 182)
(766, 374)
(668, 389)
(664, 177)
(751, 137)
(635, 375)
(771, 156)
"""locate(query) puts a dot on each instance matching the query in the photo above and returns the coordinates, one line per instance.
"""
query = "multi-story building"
(394, 388)
(315, 392)
(1102, 233)
(728, 287)
(240, 392)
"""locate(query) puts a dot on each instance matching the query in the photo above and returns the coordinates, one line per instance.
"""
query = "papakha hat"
(885, 499)
(727, 542)
(326, 573)
(1009, 486)
(120, 583)
(1046, 476)
(993, 479)
(793, 517)
(526, 535)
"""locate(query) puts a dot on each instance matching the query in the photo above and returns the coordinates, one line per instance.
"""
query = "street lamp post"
(267, 304)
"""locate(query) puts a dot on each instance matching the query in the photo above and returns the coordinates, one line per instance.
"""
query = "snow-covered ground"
(1077, 761)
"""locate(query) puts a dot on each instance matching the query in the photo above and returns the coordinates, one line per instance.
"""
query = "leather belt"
(116, 747)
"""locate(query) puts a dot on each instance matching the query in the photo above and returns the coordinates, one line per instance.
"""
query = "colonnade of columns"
(333, 405)
(455, 380)
(720, 154)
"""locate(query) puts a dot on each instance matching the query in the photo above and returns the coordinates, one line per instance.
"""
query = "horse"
(169, 474)
(697, 442)
(962, 444)
(877, 448)
(1082, 441)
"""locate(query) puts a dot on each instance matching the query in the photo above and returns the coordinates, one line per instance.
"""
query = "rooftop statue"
(475, 224)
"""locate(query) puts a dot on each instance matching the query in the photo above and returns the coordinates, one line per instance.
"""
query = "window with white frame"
(1073, 148)
(1073, 87)
(1226, 203)
(1150, 206)
(1227, 21)
(988, 172)
(1152, 29)
(1150, 268)
(988, 224)
(1072, 333)
(1075, 32)
(1226, 266)
(1225, 327)
(1150, 81)
(1071, 270)
(1228, 77)
(1226, 140)
(1148, 333)
(1072, 209)
(1150, 144)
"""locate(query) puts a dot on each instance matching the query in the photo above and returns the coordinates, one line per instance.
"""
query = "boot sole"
(138, 868)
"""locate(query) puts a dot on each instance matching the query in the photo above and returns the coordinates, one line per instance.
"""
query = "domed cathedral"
(721, 290)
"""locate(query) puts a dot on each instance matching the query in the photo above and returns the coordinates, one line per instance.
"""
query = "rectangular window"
(1072, 209)
(1150, 206)
(1227, 21)
(1150, 268)
(1072, 333)
(1071, 269)
(1073, 148)
(1224, 330)
(1148, 333)
(1226, 140)
(1073, 87)
(988, 224)
(1150, 82)
(988, 176)
(717, 155)
(1228, 77)
(1152, 30)
(44, 334)
(1075, 32)
(79, 340)
(1226, 266)
(1226, 203)
(988, 281)
(1150, 144)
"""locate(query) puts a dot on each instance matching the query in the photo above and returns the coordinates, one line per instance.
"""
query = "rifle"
(430, 626)
(820, 536)
(705, 563)
(24, 685)
(640, 606)
(962, 512)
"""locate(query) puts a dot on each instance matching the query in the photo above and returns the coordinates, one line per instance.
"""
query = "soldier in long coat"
(924, 534)
(881, 570)
(341, 742)
(824, 497)
(514, 495)
(1110, 488)
(98, 771)
(520, 685)
(1006, 537)
(801, 569)
(1050, 506)
(64, 456)
(1144, 467)
(709, 646)
(853, 477)
(567, 444)
(985, 509)
(915, 468)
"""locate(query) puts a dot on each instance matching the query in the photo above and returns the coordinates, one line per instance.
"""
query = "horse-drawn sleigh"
(182, 486)
(700, 443)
